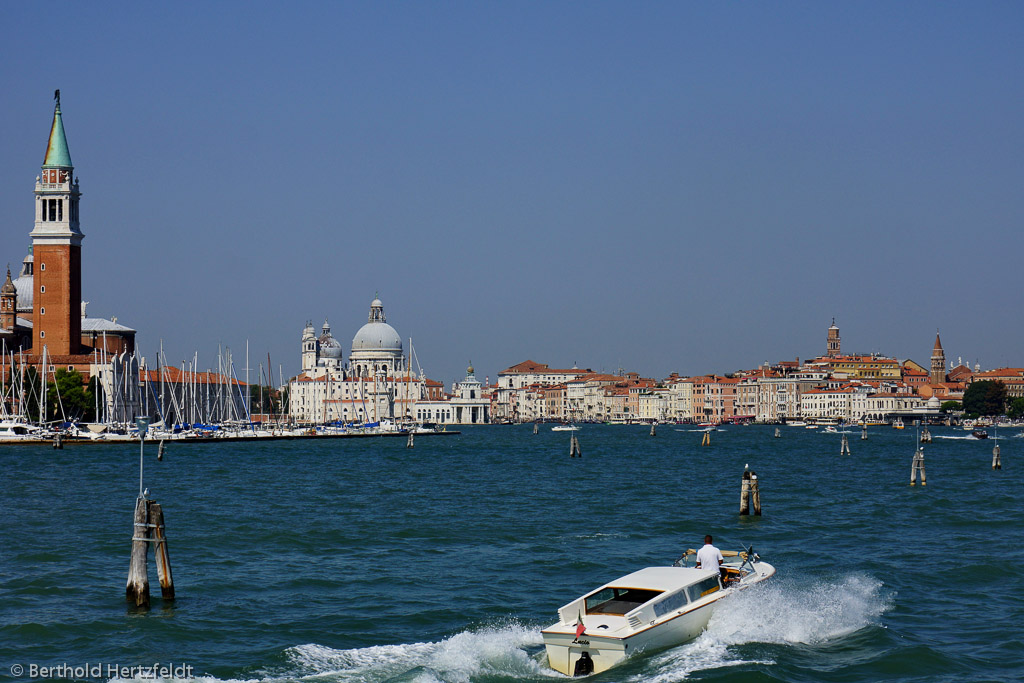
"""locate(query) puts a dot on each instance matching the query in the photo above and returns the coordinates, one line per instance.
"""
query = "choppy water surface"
(365, 561)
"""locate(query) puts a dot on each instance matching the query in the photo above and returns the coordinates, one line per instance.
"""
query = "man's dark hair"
(707, 539)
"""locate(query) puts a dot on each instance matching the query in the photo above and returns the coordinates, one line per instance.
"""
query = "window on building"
(60, 209)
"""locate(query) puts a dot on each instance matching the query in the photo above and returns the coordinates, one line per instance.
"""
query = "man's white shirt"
(709, 557)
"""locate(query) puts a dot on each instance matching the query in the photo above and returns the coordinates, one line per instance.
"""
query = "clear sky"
(690, 187)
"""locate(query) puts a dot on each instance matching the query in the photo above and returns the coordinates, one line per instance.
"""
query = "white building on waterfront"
(377, 383)
(467, 404)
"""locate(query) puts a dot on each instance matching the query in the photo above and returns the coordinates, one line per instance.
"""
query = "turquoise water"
(365, 561)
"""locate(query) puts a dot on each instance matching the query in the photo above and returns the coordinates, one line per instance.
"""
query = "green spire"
(57, 154)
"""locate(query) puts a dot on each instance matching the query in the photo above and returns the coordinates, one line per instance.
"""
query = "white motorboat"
(18, 430)
(565, 428)
(652, 608)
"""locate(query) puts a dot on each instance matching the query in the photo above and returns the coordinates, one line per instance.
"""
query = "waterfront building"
(553, 402)
(468, 404)
(860, 367)
(914, 375)
(653, 404)
(680, 390)
(1011, 378)
(714, 398)
(519, 388)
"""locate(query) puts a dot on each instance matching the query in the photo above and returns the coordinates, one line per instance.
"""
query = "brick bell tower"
(57, 250)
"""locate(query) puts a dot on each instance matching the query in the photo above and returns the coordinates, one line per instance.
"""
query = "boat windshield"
(618, 601)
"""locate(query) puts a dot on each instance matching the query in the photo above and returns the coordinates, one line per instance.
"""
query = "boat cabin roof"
(661, 578)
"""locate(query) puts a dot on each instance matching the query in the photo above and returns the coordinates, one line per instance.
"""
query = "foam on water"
(495, 651)
(778, 612)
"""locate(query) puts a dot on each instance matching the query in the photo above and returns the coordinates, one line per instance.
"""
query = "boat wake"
(779, 612)
(968, 437)
(509, 652)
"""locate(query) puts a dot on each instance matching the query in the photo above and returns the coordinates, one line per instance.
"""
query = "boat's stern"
(565, 651)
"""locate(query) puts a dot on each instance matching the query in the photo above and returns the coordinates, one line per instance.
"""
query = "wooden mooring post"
(147, 527)
(706, 441)
(864, 432)
(535, 429)
(574, 448)
(778, 433)
(750, 495)
(411, 442)
(652, 429)
(844, 448)
(137, 591)
(997, 462)
(917, 466)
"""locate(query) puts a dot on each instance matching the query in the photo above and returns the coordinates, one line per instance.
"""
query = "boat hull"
(564, 650)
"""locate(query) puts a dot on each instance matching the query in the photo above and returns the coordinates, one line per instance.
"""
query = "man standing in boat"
(710, 557)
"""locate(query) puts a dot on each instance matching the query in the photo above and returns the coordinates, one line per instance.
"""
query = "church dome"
(329, 346)
(934, 402)
(376, 336)
(23, 284)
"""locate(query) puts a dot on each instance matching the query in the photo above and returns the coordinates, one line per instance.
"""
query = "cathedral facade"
(376, 383)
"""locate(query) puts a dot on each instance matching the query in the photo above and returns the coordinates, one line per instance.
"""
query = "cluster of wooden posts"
(750, 494)
(574, 447)
(148, 527)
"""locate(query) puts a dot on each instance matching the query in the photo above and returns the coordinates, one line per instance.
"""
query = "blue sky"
(687, 187)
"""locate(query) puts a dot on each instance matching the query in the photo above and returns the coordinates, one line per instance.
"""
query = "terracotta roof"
(175, 375)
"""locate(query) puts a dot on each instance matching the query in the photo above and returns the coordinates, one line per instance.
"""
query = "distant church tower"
(832, 341)
(57, 248)
(938, 373)
(8, 303)
(309, 348)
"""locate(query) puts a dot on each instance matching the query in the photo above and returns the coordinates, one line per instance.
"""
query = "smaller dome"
(330, 347)
(376, 303)
(934, 402)
(469, 370)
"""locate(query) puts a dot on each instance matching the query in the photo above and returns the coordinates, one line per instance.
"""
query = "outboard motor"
(584, 665)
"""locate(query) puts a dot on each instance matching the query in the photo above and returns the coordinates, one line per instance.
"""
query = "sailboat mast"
(42, 391)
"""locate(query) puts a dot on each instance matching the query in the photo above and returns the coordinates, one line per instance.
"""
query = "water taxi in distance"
(649, 609)
(565, 428)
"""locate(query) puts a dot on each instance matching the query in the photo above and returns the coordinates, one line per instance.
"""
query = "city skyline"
(662, 189)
